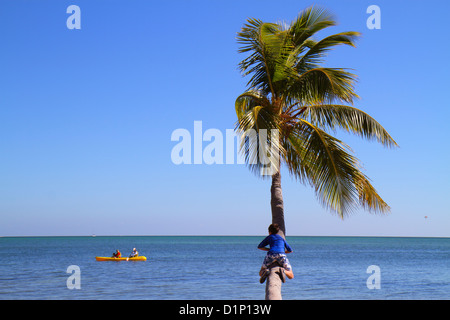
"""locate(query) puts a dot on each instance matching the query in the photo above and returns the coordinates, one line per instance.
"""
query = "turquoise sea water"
(222, 268)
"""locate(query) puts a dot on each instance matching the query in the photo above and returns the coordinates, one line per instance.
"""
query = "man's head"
(274, 228)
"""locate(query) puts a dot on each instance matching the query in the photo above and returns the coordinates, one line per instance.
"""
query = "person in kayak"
(134, 253)
(278, 247)
(117, 254)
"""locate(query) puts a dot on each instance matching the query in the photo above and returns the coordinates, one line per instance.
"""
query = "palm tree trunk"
(273, 284)
(276, 201)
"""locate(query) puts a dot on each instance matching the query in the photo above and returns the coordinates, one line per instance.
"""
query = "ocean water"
(223, 268)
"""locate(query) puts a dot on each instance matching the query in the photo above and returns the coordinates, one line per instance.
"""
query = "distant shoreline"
(289, 236)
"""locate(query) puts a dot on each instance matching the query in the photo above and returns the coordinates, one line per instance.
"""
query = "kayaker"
(134, 253)
(116, 254)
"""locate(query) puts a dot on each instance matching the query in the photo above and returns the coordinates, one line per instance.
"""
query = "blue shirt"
(277, 244)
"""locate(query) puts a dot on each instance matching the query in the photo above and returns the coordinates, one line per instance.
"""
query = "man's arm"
(263, 244)
(288, 248)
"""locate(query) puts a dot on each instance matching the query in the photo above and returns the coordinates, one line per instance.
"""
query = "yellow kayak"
(139, 258)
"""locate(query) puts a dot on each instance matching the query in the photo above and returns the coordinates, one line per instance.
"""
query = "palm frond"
(323, 84)
(316, 52)
(310, 21)
(331, 168)
(259, 134)
(248, 100)
(369, 199)
(326, 163)
(266, 43)
(350, 119)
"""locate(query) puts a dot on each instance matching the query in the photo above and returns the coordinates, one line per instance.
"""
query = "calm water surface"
(222, 268)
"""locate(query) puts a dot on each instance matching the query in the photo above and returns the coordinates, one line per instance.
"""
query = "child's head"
(274, 228)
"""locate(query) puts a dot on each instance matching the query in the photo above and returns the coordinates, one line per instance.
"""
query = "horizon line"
(220, 235)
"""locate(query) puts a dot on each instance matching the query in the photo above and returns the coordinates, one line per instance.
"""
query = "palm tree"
(291, 92)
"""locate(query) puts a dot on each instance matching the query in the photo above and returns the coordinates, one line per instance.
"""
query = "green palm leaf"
(259, 132)
(326, 163)
(315, 54)
(322, 84)
(350, 119)
(310, 21)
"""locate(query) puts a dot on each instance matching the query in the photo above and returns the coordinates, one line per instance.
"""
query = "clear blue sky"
(86, 118)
